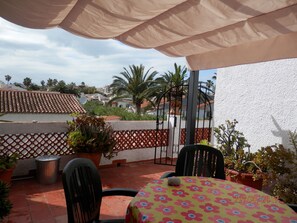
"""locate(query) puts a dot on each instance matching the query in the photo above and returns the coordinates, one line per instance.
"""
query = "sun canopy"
(209, 33)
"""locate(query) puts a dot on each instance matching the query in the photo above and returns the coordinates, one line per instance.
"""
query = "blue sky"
(57, 54)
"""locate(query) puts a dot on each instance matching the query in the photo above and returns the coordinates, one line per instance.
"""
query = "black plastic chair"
(199, 160)
(83, 192)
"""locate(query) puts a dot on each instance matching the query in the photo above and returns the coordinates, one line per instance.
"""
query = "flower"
(143, 194)
(236, 212)
(214, 191)
(143, 204)
(170, 220)
(180, 193)
(162, 198)
(264, 217)
(200, 197)
(158, 189)
(220, 219)
(184, 204)
(192, 215)
(209, 208)
(274, 208)
(194, 188)
(166, 210)
(224, 201)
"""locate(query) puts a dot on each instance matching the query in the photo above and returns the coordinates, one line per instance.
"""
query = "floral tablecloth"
(199, 199)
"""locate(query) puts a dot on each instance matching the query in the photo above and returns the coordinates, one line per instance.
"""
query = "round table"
(199, 199)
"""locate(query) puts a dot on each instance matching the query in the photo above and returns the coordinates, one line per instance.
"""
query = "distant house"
(36, 106)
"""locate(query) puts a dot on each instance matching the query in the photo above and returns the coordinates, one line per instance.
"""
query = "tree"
(135, 84)
(7, 78)
(175, 78)
(55, 82)
(27, 82)
(174, 81)
(49, 82)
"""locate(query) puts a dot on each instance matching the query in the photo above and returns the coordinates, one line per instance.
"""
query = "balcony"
(37, 203)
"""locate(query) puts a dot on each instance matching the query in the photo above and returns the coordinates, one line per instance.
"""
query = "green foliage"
(281, 164)
(90, 134)
(230, 140)
(233, 145)
(8, 161)
(5, 204)
(134, 83)
(95, 108)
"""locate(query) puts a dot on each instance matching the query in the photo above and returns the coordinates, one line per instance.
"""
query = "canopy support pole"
(192, 107)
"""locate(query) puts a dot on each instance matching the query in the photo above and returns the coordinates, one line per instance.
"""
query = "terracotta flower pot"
(95, 157)
(244, 178)
(6, 175)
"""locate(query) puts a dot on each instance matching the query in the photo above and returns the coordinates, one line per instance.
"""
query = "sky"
(57, 54)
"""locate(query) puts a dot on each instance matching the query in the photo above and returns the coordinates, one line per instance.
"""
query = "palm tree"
(175, 78)
(7, 78)
(27, 82)
(173, 81)
(135, 84)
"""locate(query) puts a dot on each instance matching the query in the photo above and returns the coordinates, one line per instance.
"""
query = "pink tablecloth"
(206, 200)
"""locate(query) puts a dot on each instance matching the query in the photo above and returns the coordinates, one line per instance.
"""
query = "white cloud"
(55, 53)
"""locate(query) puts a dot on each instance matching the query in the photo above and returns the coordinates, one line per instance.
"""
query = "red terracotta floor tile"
(37, 203)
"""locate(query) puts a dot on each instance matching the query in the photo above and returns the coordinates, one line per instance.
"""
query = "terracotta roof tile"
(38, 102)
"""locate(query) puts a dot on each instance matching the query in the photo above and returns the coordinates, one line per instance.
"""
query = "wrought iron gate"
(171, 120)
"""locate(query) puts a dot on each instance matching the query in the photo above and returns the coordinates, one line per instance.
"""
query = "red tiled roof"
(38, 102)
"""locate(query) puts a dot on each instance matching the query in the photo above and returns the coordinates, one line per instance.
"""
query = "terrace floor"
(37, 203)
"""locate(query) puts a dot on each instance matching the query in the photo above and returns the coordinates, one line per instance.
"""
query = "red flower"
(200, 197)
(220, 219)
(274, 208)
(194, 188)
(190, 180)
(170, 220)
(166, 210)
(143, 204)
(209, 208)
(158, 189)
(264, 217)
(214, 191)
(145, 218)
(192, 215)
(224, 201)
(162, 198)
(236, 212)
(289, 219)
(184, 204)
(180, 193)
(142, 193)
(206, 183)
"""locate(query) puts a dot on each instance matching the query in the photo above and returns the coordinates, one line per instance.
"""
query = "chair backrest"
(200, 160)
(83, 190)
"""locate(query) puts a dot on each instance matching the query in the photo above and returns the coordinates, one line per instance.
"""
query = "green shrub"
(5, 204)
(95, 108)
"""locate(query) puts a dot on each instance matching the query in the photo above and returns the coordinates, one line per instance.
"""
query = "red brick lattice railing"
(200, 133)
(137, 139)
(32, 145)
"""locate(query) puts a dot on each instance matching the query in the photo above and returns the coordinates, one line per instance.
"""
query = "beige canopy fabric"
(209, 33)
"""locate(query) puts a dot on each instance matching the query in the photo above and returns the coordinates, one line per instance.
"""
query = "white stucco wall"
(263, 99)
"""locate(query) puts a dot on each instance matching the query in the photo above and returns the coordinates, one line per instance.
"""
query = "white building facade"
(262, 97)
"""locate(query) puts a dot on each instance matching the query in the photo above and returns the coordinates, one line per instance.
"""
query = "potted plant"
(240, 165)
(90, 137)
(5, 204)
(281, 165)
(7, 166)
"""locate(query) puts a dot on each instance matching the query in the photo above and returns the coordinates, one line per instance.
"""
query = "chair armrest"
(119, 192)
(168, 174)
